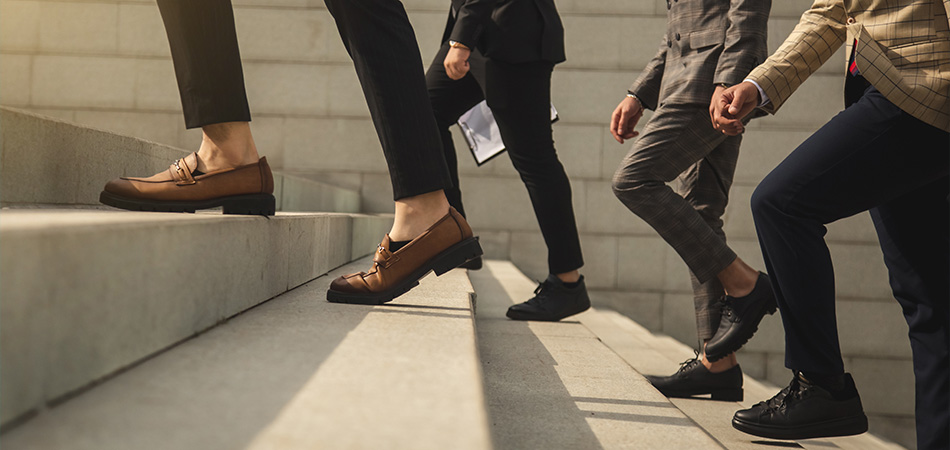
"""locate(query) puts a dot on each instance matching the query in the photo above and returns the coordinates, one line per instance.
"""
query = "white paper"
(481, 132)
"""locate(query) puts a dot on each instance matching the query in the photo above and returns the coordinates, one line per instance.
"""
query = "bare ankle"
(569, 277)
(738, 278)
(226, 145)
(416, 214)
(721, 365)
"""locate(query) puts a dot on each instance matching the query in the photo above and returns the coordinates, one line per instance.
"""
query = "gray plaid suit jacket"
(903, 50)
(707, 42)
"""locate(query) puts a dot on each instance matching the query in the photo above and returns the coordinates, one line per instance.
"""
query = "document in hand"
(481, 132)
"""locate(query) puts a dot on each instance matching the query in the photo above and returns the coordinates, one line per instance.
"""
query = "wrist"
(634, 96)
(457, 44)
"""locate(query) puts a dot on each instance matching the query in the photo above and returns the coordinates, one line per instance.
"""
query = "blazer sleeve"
(745, 45)
(473, 16)
(647, 86)
(819, 33)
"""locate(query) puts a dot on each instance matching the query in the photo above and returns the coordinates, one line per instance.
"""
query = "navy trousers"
(871, 156)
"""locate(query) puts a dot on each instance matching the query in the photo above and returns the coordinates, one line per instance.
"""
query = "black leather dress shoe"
(693, 378)
(740, 319)
(805, 411)
(552, 301)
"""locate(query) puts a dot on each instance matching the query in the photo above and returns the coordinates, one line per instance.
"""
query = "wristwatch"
(639, 102)
(457, 44)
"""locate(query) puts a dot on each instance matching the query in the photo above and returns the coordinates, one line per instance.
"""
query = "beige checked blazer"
(706, 42)
(903, 51)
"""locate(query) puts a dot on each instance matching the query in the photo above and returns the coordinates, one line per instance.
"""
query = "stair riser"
(83, 302)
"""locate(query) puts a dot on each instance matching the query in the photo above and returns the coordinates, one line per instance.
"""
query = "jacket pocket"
(705, 38)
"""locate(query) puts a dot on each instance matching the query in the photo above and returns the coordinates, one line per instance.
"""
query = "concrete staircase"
(89, 291)
(424, 371)
(580, 382)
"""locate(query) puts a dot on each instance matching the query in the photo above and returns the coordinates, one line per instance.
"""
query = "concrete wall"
(106, 63)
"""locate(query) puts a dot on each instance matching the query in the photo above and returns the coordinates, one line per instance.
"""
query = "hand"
(456, 62)
(730, 105)
(625, 118)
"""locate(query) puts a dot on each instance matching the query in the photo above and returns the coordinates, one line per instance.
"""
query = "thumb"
(738, 100)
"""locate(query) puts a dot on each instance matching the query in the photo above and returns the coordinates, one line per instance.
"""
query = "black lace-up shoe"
(552, 301)
(804, 411)
(693, 378)
(740, 319)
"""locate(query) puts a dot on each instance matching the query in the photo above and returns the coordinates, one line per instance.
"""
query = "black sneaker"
(805, 411)
(553, 301)
(693, 378)
(740, 319)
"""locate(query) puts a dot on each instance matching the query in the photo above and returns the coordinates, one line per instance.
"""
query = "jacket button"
(677, 36)
(668, 4)
(669, 43)
(850, 20)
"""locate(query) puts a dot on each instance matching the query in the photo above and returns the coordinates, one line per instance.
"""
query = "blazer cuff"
(648, 97)
(762, 95)
(731, 76)
(466, 36)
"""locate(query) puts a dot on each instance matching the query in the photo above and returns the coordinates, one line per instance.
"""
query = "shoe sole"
(722, 395)
(474, 264)
(518, 315)
(449, 259)
(848, 426)
(251, 204)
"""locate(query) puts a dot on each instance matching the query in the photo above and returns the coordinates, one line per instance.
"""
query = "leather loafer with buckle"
(446, 245)
(740, 319)
(245, 189)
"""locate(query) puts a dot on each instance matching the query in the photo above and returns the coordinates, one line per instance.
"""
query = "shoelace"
(780, 401)
(689, 363)
(538, 293)
(725, 307)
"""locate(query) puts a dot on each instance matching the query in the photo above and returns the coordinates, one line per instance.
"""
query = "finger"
(725, 125)
(617, 136)
(737, 103)
(717, 114)
(615, 125)
(712, 104)
(455, 73)
(622, 125)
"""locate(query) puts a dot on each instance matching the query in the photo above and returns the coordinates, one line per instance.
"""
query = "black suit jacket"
(512, 31)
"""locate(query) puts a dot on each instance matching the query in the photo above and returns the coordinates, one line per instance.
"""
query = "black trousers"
(871, 156)
(519, 96)
(379, 39)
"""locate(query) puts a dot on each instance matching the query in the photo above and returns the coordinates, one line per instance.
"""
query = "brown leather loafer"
(247, 189)
(444, 246)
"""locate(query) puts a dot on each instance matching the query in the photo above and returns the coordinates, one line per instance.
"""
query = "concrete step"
(53, 162)
(296, 372)
(656, 354)
(557, 386)
(88, 292)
